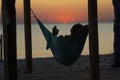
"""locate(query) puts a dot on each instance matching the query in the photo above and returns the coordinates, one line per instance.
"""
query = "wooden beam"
(9, 31)
(93, 39)
(28, 40)
(1, 54)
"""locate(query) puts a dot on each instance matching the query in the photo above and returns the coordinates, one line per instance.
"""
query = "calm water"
(39, 44)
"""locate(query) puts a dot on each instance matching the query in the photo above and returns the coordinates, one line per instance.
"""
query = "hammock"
(65, 50)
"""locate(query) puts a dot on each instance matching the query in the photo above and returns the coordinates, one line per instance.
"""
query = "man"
(116, 60)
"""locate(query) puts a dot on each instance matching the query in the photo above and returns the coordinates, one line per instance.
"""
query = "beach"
(45, 67)
(50, 69)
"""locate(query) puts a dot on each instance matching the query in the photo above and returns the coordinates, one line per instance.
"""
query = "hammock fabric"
(65, 50)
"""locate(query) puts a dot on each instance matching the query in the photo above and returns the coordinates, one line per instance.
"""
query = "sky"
(65, 11)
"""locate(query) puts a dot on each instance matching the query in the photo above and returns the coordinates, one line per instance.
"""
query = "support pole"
(93, 39)
(9, 32)
(1, 54)
(28, 41)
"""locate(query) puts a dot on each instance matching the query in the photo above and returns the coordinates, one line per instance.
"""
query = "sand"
(50, 69)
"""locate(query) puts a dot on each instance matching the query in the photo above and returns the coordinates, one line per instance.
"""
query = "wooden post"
(9, 31)
(1, 54)
(93, 39)
(0, 50)
(28, 41)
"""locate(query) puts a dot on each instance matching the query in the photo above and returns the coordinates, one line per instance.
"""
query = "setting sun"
(63, 18)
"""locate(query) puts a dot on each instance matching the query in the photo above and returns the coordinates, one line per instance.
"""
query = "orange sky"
(65, 10)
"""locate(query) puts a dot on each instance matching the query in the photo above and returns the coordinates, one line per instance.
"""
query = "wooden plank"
(28, 40)
(93, 39)
(9, 31)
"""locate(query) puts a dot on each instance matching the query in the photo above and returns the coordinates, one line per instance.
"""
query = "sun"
(64, 18)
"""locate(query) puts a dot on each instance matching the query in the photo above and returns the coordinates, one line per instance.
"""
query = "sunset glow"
(65, 11)
(64, 18)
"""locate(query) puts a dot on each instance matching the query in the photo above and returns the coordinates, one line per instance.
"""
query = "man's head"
(76, 27)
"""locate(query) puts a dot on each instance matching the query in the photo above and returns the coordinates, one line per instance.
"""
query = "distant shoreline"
(66, 23)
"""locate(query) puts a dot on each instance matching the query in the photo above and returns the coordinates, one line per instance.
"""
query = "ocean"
(106, 36)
